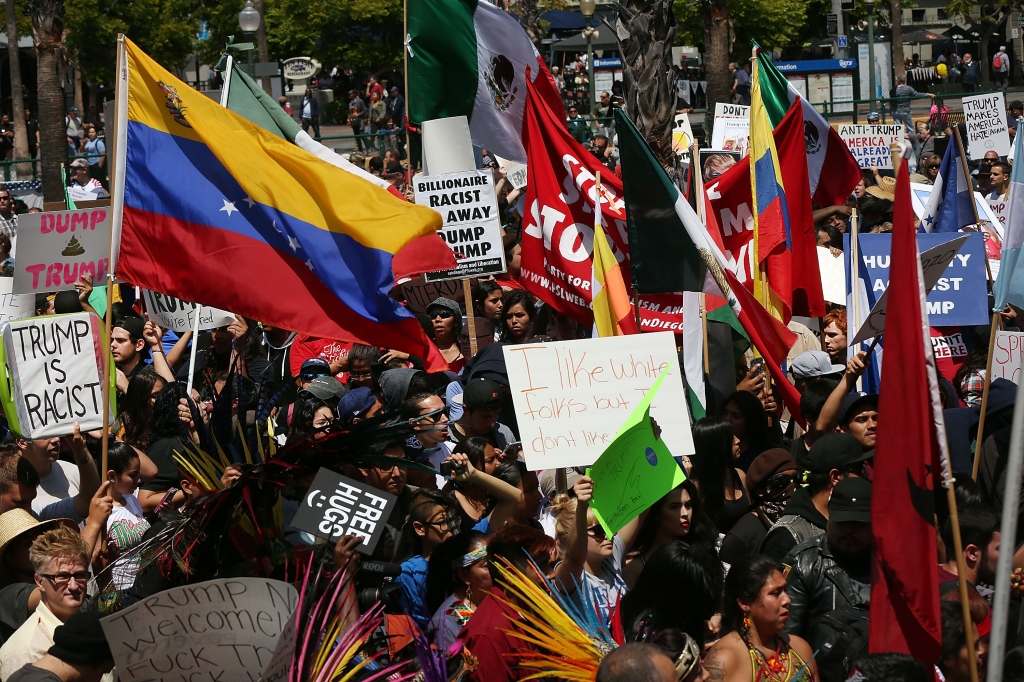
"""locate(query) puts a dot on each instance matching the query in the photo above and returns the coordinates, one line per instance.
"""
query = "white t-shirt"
(61, 483)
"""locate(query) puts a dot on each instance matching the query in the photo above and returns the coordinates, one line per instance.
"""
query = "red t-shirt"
(305, 347)
(486, 644)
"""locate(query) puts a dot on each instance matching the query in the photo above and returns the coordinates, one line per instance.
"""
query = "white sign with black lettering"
(985, 117)
(870, 144)
(177, 315)
(228, 630)
(337, 506)
(471, 226)
(55, 367)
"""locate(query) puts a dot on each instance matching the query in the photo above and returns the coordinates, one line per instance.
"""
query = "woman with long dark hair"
(679, 588)
(679, 515)
(137, 408)
(518, 315)
(754, 615)
(168, 434)
(445, 328)
(723, 487)
(744, 411)
(457, 581)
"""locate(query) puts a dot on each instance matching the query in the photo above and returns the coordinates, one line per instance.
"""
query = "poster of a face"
(714, 162)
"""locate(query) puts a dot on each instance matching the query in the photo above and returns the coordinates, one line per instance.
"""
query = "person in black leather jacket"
(833, 570)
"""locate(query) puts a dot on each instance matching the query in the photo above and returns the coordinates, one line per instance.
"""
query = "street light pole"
(871, 50)
(587, 8)
(249, 21)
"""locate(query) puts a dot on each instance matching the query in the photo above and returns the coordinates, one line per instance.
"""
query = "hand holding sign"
(635, 471)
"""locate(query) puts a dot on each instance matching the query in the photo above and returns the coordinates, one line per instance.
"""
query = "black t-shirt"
(162, 453)
(744, 538)
(31, 128)
(13, 608)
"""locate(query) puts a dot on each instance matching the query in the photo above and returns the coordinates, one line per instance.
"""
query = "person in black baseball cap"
(833, 458)
(481, 403)
(833, 571)
(80, 653)
(858, 417)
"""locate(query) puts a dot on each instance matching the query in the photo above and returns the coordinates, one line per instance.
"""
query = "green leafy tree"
(988, 17)
(772, 23)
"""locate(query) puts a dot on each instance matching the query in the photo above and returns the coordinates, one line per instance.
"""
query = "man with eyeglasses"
(60, 559)
(481, 403)
(833, 458)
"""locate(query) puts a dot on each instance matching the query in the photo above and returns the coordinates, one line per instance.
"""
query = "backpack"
(997, 61)
(840, 637)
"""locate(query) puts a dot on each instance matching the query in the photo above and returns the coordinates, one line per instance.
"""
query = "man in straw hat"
(60, 561)
(19, 594)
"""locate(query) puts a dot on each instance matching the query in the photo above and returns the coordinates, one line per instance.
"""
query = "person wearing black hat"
(833, 458)
(80, 653)
(852, 411)
(830, 580)
(771, 479)
(481, 402)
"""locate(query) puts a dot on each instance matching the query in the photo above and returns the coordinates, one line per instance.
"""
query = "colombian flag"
(771, 213)
(216, 210)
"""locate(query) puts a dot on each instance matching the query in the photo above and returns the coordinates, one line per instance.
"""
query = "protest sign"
(470, 224)
(998, 207)
(833, 276)
(177, 315)
(682, 134)
(869, 144)
(957, 296)
(55, 366)
(336, 506)
(419, 293)
(635, 470)
(14, 306)
(228, 630)
(447, 145)
(985, 116)
(731, 131)
(56, 249)
(514, 172)
(570, 396)
(1007, 355)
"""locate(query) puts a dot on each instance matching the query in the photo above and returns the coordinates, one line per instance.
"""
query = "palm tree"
(716, 56)
(645, 31)
(17, 91)
(51, 58)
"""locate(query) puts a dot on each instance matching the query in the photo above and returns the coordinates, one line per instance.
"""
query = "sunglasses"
(443, 314)
(314, 374)
(597, 532)
(778, 483)
(932, 167)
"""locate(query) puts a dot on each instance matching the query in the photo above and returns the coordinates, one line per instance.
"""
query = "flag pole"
(470, 316)
(855, 275)
(996, 324)
(1007, 529)
(192, 355)
(970, 186)
(408, 143)
(699, 201)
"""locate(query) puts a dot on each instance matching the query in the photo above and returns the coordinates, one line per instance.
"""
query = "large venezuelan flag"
(214, 209)
(771, 213)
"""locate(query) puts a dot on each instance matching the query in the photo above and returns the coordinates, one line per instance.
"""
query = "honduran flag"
(1009, 286)
(949, 205)
(210, 207)
(471, 58)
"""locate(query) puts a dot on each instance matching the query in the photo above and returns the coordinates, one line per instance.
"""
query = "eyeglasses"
(452, 522)
(360, 375)
(933, 167)
(777, 483)
(597, 532)
(62, 580)
(443, 314)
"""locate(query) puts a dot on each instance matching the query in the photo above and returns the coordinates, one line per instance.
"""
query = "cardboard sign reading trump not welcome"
(54, 368)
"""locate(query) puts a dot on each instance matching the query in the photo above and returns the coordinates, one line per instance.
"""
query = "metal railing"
(26, 170)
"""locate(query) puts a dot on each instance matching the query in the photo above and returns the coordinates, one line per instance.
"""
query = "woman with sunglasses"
(772, 479)
(754, 615)
(446, 325)
(679, 515)
(457, 581)
(482, 502)
(431, 521)
(589, 558)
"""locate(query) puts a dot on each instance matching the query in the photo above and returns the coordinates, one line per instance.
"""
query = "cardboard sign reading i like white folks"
(337, 506)
(54, 368)
(170, 312)
(470, 226)
(56, 249)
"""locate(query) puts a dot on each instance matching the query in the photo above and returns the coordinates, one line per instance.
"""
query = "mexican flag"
(242, 95)
(659, 215)
(469, 58)
(832, 172)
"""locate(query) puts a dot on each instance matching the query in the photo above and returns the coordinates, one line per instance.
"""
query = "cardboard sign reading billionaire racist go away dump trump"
(54, 368)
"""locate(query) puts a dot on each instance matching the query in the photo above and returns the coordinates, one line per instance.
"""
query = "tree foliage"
(772, 23)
